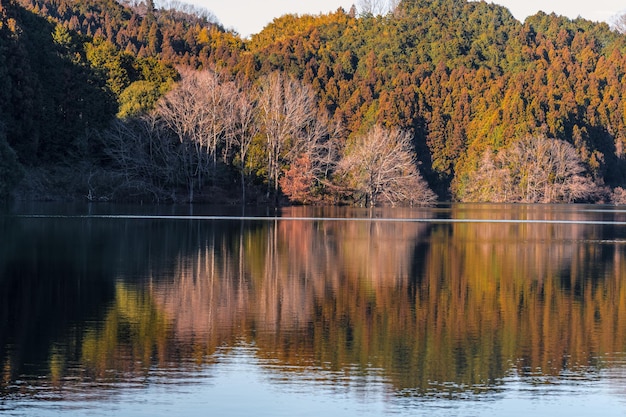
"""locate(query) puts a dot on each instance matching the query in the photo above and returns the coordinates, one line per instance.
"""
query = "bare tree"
(145, 158)
(180, 112)
(490, 182)
(377, 7)
(195, 111)
(310, 163)
(532, 170)
(189, 11)
(219, 96)
(324, 154)
(243, 128)
(381, 166)
(619, 23)
(287, 112)
(547, 171)
(618, 196)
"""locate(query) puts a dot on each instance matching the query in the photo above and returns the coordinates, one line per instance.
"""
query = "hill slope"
(465, 77)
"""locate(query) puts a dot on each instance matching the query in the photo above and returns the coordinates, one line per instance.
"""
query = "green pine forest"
(436, 100)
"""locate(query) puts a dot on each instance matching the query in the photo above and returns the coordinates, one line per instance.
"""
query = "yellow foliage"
(203, 36)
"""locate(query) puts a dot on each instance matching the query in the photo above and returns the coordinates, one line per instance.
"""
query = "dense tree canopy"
(465, 79)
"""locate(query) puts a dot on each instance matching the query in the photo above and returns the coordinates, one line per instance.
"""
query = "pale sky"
(250, 16)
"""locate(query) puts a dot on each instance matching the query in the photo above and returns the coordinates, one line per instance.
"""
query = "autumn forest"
(433, 100)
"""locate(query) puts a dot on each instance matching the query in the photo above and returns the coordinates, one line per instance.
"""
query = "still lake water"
(469, 310)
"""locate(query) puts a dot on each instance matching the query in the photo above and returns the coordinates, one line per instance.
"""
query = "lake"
(468, 310)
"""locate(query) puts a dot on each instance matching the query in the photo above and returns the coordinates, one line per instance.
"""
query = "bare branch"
(533, 170)
(196, 111)
(288, 116)
(382, 166)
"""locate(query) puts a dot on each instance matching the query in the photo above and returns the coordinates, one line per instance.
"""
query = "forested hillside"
(162, 103)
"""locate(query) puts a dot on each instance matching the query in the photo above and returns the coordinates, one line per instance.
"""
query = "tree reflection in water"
(433, 307)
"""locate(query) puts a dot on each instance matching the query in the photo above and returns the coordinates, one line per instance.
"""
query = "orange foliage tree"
(297, 181)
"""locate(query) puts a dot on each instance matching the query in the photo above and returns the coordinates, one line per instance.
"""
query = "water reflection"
(429, 309)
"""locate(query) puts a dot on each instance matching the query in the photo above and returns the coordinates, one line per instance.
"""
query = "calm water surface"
(469, 310)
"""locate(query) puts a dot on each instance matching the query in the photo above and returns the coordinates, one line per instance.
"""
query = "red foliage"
(297, 181)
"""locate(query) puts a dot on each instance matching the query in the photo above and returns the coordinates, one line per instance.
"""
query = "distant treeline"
(449, 95)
